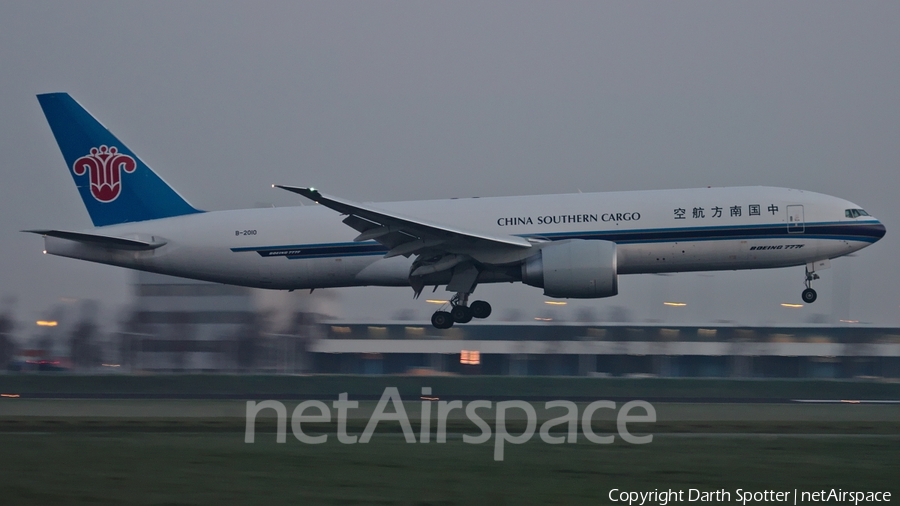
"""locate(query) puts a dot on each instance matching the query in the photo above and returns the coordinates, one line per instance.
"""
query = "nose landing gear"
(809, 295)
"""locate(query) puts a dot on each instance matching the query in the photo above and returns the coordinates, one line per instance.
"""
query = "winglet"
(310, 193)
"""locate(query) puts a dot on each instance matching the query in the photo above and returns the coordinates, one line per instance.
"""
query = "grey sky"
(395, 100)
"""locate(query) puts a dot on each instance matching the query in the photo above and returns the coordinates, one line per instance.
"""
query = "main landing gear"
(809, 295)
(460, 312)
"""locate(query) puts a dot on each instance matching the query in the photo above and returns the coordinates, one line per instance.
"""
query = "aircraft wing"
(405, 235)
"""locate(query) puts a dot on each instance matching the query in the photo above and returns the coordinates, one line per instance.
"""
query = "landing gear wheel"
(809, 296)
(480, 309)
(461, 314)
(442, 320)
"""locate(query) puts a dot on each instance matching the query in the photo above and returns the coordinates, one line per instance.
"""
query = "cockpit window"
(855, 213)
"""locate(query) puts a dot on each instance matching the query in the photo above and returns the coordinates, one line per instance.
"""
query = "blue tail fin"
(116, 186)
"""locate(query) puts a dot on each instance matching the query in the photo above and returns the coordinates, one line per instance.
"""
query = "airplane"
(571, 245)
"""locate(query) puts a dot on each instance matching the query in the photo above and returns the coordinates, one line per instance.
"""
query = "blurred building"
(628, 349)
(181, 325)
(184, 325)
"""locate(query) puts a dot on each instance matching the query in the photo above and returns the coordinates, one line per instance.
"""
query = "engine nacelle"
(575, 268)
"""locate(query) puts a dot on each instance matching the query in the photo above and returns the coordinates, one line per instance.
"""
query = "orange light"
(47, 323)
(788, 304)
(675, 304)
(10, 396)
(436, 301)
(555, 302)
(470, 357)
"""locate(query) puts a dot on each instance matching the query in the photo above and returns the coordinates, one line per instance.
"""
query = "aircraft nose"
(878, 230)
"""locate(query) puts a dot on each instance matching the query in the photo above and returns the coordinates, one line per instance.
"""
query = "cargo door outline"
(795, 220)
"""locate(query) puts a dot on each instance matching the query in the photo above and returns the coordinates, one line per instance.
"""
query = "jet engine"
(574, 268)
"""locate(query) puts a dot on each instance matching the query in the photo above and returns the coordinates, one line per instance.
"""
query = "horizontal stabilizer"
(100, 240)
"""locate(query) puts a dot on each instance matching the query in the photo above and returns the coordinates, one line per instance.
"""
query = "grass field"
(206, 468)
(161, 451)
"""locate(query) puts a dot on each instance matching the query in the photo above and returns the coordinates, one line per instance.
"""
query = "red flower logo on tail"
(104, 167)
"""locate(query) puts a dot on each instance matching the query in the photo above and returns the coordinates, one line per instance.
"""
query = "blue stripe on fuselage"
(864, 232)
(868, 232)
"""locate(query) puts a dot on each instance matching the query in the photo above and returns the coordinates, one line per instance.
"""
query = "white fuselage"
(655, 231)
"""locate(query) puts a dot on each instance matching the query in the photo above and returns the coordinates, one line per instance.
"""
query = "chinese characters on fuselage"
(697, 213)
